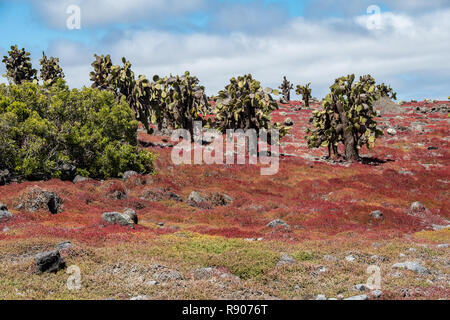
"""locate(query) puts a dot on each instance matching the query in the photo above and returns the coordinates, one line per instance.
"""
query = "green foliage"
(178, 101)
(305, 91)
(42, 127)
(18, 66)
(50, 70)
(244, 104)
(347, 116)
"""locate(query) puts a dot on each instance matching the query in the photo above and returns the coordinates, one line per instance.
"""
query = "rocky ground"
(316, 230)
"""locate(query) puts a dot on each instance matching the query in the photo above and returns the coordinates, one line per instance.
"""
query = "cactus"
(121, 81)
(305, 91)
(347, 116)
(50, 70)
(286, 88)
(102, 70)
(18, 66)
(243, 104)
(178, 101)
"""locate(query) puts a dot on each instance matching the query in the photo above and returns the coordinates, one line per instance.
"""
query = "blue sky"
(307, 40)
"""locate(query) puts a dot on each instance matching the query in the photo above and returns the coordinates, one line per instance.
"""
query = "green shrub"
(43, 128)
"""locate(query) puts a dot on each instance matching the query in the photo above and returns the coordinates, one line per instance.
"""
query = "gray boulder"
(278, 223)
(412, 266)
(129, 174)
(4, 213)
(376, 293)
(132, 214)
(288, 122)
(359, 287)
(79, 179)
(118, 218)
(35, 199)
(285, 260)
(195, 198)
(417, 207)
(5, 177)
(64, 245)
(50, 262)
(376, 214)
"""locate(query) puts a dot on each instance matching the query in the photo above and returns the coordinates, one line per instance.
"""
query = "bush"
(44, 130)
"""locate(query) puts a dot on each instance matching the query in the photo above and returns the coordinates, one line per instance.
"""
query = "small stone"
(322, 269)
(330, 258)
(321, 297)
(417, 207)
(50, 262)
(4, 213)
(412, 266)
(277, 223)
(360, 297)
(128, 174)
(140, 298)
(79, 179)
(376, 293)
(285, 259)
(160, 224)
(64, 245)
(376, 214)
(340, 296)
(359, 287)
(288, 122)
(152, 283)
(350, 258)
(392, 131)
(437, 227)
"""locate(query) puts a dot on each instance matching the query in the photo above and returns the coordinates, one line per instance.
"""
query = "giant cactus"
(18, 66)
(178, 101)
(286, 88)
(347, 116)
(244, 104)
(305, 91)
(102, 70)
(50, 69)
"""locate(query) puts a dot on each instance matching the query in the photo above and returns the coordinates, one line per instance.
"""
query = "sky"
(404, 43)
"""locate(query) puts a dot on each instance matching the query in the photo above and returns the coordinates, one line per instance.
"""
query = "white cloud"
(410, 53)
(302, 50)
(100, 12)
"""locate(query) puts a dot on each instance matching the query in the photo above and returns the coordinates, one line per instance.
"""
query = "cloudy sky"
(407, 45)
